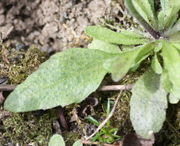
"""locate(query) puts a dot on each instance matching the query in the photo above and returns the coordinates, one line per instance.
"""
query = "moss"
(71, 137)
(16, 65)
(27, 128)
(121, 117)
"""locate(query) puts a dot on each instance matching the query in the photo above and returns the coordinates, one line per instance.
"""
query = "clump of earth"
(53, 24)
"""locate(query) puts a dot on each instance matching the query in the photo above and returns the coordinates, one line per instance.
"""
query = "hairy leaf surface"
(120, 64)
(67, 77)
(56, 140)
(78, 143)
(104, 46)
(148, 105)
(169, 13)
(107, 35)
(146, 9)
(171, 59)
(156, 66)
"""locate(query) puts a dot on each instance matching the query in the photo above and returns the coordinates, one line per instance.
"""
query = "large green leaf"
(171, 58)
(146, 9)
(56, 140)
(107, 35)
(123, 62)
(67, 77)
(148, 105)
(104, 46)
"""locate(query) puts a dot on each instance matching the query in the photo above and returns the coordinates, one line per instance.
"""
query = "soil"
(52, 24)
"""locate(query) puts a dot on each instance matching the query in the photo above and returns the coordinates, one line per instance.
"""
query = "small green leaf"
(169, 13)
(148, 105)
(92, 120)
(146, 9)
(165, 81)
(177, 46)
(104, 46)
(156, 66)
(78, 143)
(174, 96)
(107, 35)
(175, 29)
(56, 140)
(175, 37)
(120, 64)
(171, 58)
(67, 77)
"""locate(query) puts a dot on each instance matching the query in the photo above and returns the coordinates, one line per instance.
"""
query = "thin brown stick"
(62, 119)
(7, 87)
(116, 87)
(103, 88)
(107, 118)
(97, 143)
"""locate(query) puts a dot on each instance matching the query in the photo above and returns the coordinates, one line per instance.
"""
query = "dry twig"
(116, 87)
(97, 143)
(7, 87)
(103, 88)
(107, 118)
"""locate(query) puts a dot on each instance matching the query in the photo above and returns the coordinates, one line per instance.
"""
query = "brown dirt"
(52, 24)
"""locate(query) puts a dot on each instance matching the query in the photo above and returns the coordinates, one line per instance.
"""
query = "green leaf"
(148, 105)
(56, 140)
(177, 46)
(107, 35)
(104, 46)
(92, 120)
(175, 37)
(165, 81)
(156, 66)
(146, 9)
(123, 62)
(175, 29)
(171, 58)
(66, 78)
(78, 143)
(169, 13)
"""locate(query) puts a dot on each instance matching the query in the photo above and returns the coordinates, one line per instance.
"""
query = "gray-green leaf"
(104, 46)
(120, 64)
(169, 13)
(146, 9)
(171, 58)
(78, 143)
(56, 140)
(156, 66)
(148, 105)
(66, 78)
(107, 35)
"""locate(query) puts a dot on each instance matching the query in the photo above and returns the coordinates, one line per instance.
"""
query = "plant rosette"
(70, 76)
